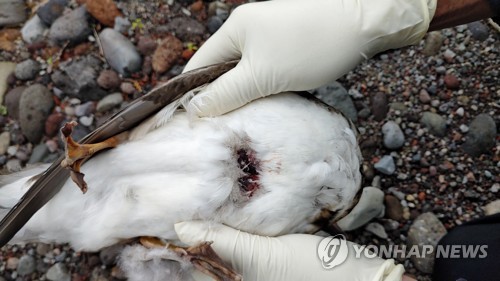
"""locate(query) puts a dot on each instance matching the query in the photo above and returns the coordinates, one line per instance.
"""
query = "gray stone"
(481, 136)
(434, 122)
(122, 24)
(479, 30)
(35, 105)
(379, 106)
(77, 78)
(386, 165)
(58, 272)
(42, 249)
(72, 27)
(12, 102)
(425, 230)
(120, 52)
(38, 154)
(214, 23)
(27, 70)
(51, 10)
(335, 95)
(12, 12)
(26, 265)
(109, 102)
(13, 165)
(33, 30)
(84, 109)
(184, 28)
(393, 135)
(4, 142)
(370, 205)
(377, 229)
(6, 68)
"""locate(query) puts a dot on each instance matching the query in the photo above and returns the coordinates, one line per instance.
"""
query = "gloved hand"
(301, 45)
(289, 257)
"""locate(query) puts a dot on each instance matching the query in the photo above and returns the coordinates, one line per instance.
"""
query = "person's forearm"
(451, 13)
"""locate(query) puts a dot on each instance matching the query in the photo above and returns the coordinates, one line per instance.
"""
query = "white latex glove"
(301, 45)
(285, 258)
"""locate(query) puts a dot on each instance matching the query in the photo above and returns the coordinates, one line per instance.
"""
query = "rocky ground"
(427, 114)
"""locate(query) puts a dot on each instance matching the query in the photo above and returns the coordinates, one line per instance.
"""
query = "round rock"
(108, 79)
(26, 265)
(386, 165)
(481, 136)
(58, 272)
(109, 102)
(27, 70)
(434, 122)
(33, 30)
(51, 10)
(393, 135)
(12, 101)
(34, 106)
(13, 12)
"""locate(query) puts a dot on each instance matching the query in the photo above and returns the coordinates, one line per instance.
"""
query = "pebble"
(72, 27)
(58, 272)
(6, 68)
(441, 70)
(495, 187)
(479, 30)
(33, 30)
(492, 208)
(86, 120)
(425, 230)
(13, 165)
(460, 111)
(122, 25)
(434, 122)
(393, 208)
(38, 154)
(214, 23)
(108, 79)
(4, 142)
(393, 135)
(13, 12)
(146, 45)
(167, 54)
(26, 266)
(337, 96)
(35, 106)
(109, 102)
(127, 88)
(27, 70)
(377, 229)
(52, 145)
(449, 55)
(105, 11)
(386, 165)
(53, 124)
(482, 135)
(433, 43)
(12, 150)
(120, 52)
(379, 106)
(51, 10)
(78, 77)
(464, 128)
(12, 263)
(451, 82)
(424, 96)
(185, 28)
(370, 206)
(85, 109)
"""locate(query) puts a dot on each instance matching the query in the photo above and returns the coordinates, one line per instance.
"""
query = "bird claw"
(202, 256)
(76, 154)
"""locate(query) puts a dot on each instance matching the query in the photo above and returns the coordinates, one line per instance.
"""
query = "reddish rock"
(424, 96)
(380, 106)
(8, 37)
(53, 124)
(127, 88)
(393, 208)
(451, 82)
(167, 54)
(105, 11)
(108, 79)
(146, 45)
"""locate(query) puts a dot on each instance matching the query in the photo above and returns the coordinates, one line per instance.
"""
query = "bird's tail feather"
(13, 186)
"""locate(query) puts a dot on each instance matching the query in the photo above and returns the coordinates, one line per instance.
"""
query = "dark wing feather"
(50, 182)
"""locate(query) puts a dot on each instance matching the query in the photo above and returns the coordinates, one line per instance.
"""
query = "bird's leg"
(75, 153)
(202, 256)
